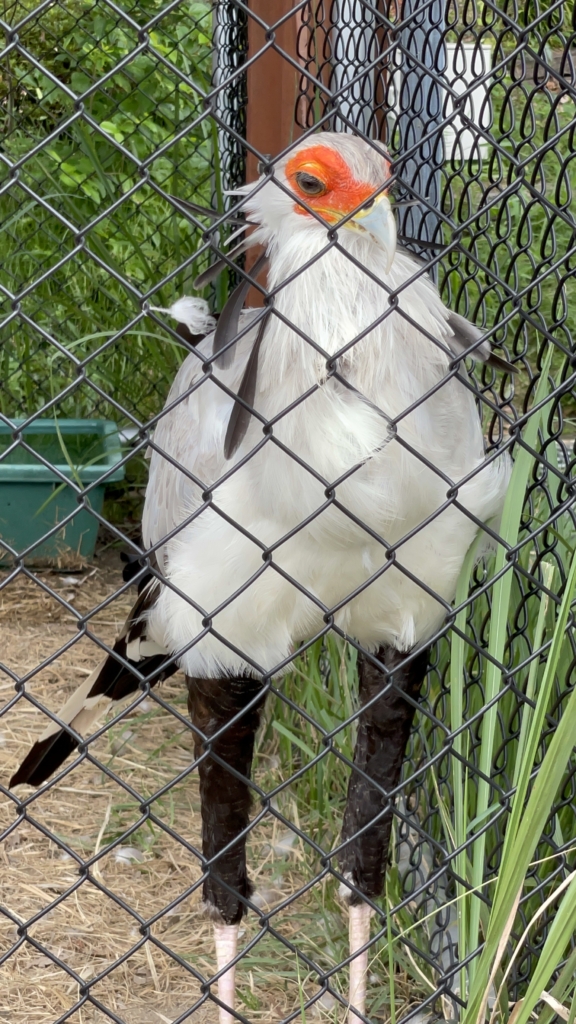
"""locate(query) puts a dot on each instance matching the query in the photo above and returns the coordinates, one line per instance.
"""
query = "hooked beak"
(378, 222)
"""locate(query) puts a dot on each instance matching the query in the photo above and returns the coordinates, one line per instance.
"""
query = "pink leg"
(359, 931)
(226, 940)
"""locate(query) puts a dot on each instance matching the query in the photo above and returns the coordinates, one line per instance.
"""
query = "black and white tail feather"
(110, 683)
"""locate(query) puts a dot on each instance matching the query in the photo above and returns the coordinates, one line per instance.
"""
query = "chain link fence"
(119, 122)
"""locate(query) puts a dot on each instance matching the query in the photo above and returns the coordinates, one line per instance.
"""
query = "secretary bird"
(346, 499)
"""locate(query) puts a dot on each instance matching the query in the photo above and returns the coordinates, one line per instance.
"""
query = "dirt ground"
(81, 921)
(88, 930)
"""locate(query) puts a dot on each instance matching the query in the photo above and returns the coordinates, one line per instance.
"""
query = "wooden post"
(273, 82)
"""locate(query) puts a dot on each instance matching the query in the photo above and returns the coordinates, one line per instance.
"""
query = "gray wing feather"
(464, 335)
(192, 434)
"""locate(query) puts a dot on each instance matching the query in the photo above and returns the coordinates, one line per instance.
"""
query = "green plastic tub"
(33, 499)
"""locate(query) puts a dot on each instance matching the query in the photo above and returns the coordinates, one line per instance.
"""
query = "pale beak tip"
(379, 222)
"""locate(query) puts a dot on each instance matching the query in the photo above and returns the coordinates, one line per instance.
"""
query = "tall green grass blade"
(525, 767)
(502, 591)
(301, 996)
(459, 784)
(572, 1014)
(76, 469)
(527, 715)
(390, 939)
(62, 443)
(296, 740)
(561, 989)
(520, 947)
(22, 211)
(560, 934)
(526, 823)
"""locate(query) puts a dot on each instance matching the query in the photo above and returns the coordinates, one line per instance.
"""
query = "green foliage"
(524, 828)
(103, 174)
(543, 21)
(553, 15)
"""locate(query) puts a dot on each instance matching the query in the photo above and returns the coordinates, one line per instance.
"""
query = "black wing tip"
(499, 363)
(468, 335)
(132, 571)
(46, 756)
(132, 566)
(43, 759)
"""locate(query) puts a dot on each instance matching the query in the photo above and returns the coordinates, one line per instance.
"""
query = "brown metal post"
(273, 84)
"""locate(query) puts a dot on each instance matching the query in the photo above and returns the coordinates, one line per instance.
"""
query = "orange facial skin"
(343, 193)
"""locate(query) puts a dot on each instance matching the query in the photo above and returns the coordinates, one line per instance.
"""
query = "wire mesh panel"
(315, 572)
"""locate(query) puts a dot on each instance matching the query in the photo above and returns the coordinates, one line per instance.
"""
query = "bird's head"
(328, 181)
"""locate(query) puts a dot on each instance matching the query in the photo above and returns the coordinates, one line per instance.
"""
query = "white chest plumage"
(316, 527)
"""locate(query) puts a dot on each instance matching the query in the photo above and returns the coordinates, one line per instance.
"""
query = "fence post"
(273, 82)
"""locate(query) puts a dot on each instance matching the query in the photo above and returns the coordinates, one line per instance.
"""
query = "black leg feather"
(383, 731)
(225, 798)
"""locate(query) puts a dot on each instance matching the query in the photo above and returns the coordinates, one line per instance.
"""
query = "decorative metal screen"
(114, 117)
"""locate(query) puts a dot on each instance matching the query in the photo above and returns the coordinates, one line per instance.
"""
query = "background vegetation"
(140, 140)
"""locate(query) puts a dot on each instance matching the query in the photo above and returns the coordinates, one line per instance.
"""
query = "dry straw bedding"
(149, 870)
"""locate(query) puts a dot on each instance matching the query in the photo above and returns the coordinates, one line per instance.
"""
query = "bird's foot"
(359, 932)
(226, 942)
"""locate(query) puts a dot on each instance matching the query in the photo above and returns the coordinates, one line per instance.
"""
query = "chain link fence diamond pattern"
(114, 117)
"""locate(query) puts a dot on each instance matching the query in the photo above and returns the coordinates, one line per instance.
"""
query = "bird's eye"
(309, 185)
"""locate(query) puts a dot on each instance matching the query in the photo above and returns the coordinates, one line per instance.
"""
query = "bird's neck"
(323, 289)
(332, 300)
